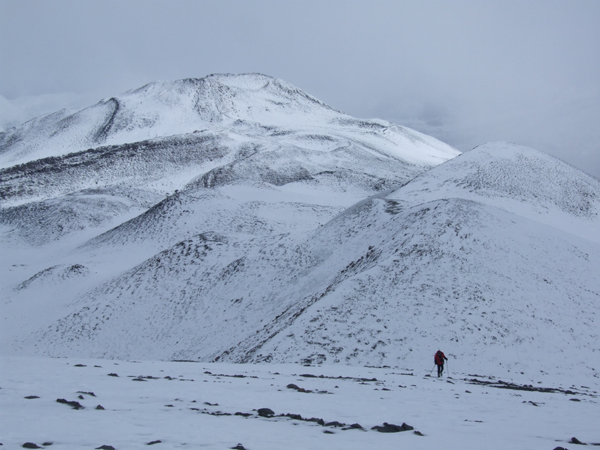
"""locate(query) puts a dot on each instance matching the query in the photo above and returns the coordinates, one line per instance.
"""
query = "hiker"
(439, 362)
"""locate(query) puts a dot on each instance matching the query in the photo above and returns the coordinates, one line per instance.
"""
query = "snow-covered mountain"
(290, 232)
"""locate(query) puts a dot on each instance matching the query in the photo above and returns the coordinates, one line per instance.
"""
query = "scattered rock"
(238, 447)
(72, 404)
(100, 407)
(138, 379)
(79, 365)
(113, 375)
(560, 448)
(240, 414)
(211, 404)
(335, 423)
(316, 420)
(30, 445)
(354, 426)
(80, 397)
(418, 433)
(154, 442)
(86, 393)
(105, 447)
(328, 432)
(574, 399)
(265, 412)
(574, 440)
(391, 428)
(31, 397)
(47, 444)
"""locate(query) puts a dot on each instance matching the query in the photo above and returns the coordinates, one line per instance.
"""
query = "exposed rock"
(238, 447)
(72, 404)
(265, 412)
(154, 442)
(100, 407)
(574, 440)
(30, 445)
(391, 428)
(86, 393)
(105, 447)
(30, 397)
(354, 426)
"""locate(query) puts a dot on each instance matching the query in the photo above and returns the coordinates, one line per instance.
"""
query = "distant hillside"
(286, 231)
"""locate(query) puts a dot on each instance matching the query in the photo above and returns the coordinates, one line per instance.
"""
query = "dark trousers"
(440, 369)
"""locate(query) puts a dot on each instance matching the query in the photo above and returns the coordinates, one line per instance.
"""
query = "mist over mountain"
(235, 218)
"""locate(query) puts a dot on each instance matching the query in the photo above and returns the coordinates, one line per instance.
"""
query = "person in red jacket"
(439, 362)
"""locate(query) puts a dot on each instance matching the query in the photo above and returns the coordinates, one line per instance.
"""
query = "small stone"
(100, 407)
(266, 412)
(31, 397)
(113, 375)
(47, 444)
(238, 447)
(105, 447)
(574, 440)
(418, 433)
(86, 393)
(391, 428)
(72, 404)
(154, 442)
(328, 432)
(30, 445)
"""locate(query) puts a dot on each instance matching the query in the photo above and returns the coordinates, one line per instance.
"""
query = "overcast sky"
(466, 72)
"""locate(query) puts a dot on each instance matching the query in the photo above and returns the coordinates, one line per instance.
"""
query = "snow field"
(137, 412)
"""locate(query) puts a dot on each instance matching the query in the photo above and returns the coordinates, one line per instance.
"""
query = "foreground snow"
(176, 402)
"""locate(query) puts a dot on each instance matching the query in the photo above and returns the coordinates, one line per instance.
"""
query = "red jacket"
(439, 358)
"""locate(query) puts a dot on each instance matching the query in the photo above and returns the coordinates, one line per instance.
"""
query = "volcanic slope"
(252, 147)
(473, 256)
(246, 156)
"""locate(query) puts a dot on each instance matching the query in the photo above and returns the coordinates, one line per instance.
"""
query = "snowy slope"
(216, 102)
(208, 136)
(432, 264)
(238, 219)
